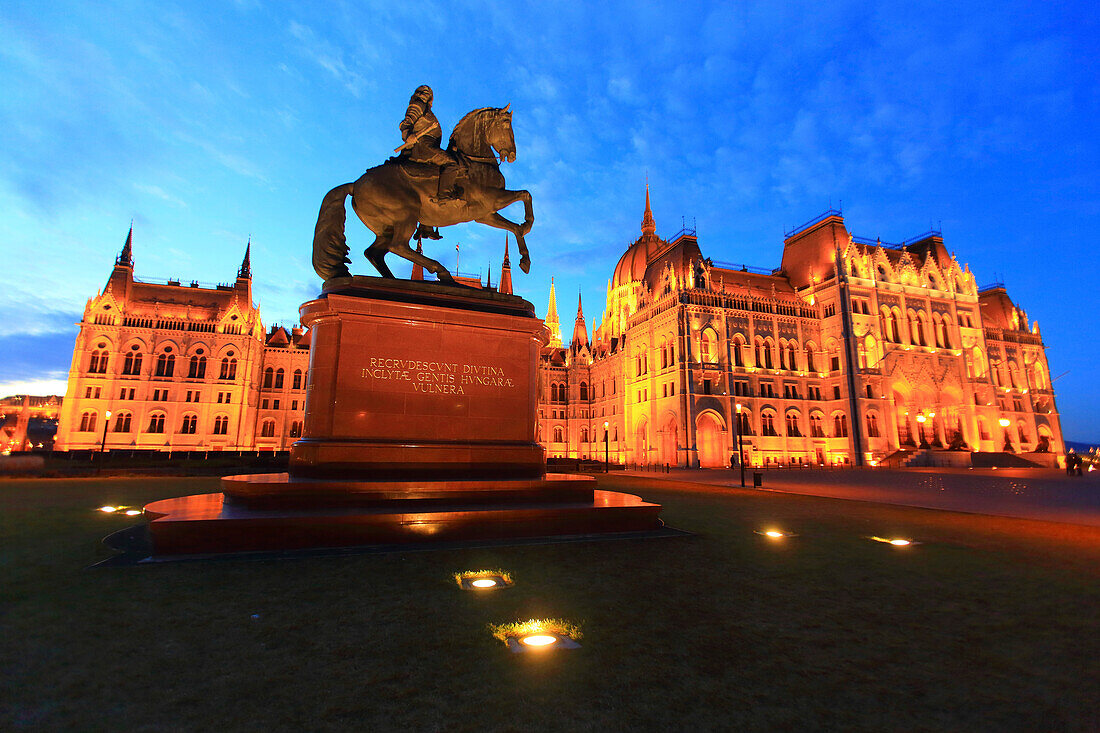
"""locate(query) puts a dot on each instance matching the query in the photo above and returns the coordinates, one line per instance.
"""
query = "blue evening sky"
(209, 122)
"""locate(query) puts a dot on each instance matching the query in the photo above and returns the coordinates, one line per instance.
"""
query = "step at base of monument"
(269, 490)
(208, 524)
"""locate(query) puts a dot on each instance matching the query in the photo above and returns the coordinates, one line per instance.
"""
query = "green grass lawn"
(991, 624)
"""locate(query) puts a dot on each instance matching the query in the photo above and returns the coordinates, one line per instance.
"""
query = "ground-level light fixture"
(537, 635)
(483, 580)
(775, 534)
(895, 541)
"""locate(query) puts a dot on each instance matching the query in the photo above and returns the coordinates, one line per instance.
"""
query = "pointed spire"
(245, 273)
(506, 271)
(126, 257)
(418, 269)
(580, 328)
(649, 226)
(552, 318)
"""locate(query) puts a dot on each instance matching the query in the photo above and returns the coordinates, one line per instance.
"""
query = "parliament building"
(851, 352)
(168, 366)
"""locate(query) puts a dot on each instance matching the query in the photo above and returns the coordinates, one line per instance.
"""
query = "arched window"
(197, 368)
(840, 425)
(584, 434)
(297, 381)
(189, 425)
(269, 378)
(870, 347)
(1025, 436)
(792, 425)
(87, 422)
(584, 391)
(744, 422)
(738, 353)
(166, 364)
(221, 425)
(559, 436)
(872, 425)
(759, 352)
(792, 357)
(817, 425)
(810, 364)
(122, 422)
(553, 392)
(767, 423)
(708, 346)
(279, 378)
(156, 423)
(768, 353)
(229, 368)
(267, 429)
(98, 362)
(131, 365)
(296, 429)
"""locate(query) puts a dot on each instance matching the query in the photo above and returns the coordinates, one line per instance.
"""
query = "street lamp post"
(1004, 423)
(740, 445)
(106, 421)
(606, 449)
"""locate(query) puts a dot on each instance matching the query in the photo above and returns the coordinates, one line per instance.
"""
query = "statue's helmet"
(424, 93)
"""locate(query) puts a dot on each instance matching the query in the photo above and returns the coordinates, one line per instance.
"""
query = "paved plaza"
(1041, 494)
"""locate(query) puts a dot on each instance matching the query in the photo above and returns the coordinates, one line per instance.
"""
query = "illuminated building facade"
(182, 367)
(852, 351)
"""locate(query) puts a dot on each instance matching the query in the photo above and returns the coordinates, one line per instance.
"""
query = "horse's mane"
(469, 128)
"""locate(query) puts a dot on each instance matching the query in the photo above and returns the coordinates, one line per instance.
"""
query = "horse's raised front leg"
(505, 198)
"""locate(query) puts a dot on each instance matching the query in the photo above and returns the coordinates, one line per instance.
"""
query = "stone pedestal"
(421, 418)
(418, 380)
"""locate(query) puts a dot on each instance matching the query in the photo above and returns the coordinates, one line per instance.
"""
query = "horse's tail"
(330, 248)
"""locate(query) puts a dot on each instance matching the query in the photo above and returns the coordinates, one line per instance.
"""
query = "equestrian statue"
(425, 187)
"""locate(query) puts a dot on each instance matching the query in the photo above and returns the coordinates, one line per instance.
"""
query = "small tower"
(552, 318)
(505, 285)
(122, 277)
(649, 226)
(244, 277)
(418, 269)
(580, 328)
(126, 257)
(245, 273)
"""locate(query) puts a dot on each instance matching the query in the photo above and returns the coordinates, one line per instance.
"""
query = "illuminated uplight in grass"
(775, 534)
(483, 580)
(108, 509)
(537, 634)
(539, 640)
(132, 512)
(895, 541)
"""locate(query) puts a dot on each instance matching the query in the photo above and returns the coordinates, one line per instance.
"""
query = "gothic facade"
(167, 366)
(852, 351)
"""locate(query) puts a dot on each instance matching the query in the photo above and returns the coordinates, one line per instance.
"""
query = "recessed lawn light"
(775, 534)
(537, 635)
(132, 512)
(895, 541)
(483, 579)
(108, 509)
(539, 640)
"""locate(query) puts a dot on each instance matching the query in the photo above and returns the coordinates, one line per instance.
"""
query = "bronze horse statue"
(393, 198)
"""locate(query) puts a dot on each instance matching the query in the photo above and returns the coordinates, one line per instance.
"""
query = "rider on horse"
(422, 135)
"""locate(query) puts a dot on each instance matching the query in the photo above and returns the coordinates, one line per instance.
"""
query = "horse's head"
(500, 134)
(484, 132)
